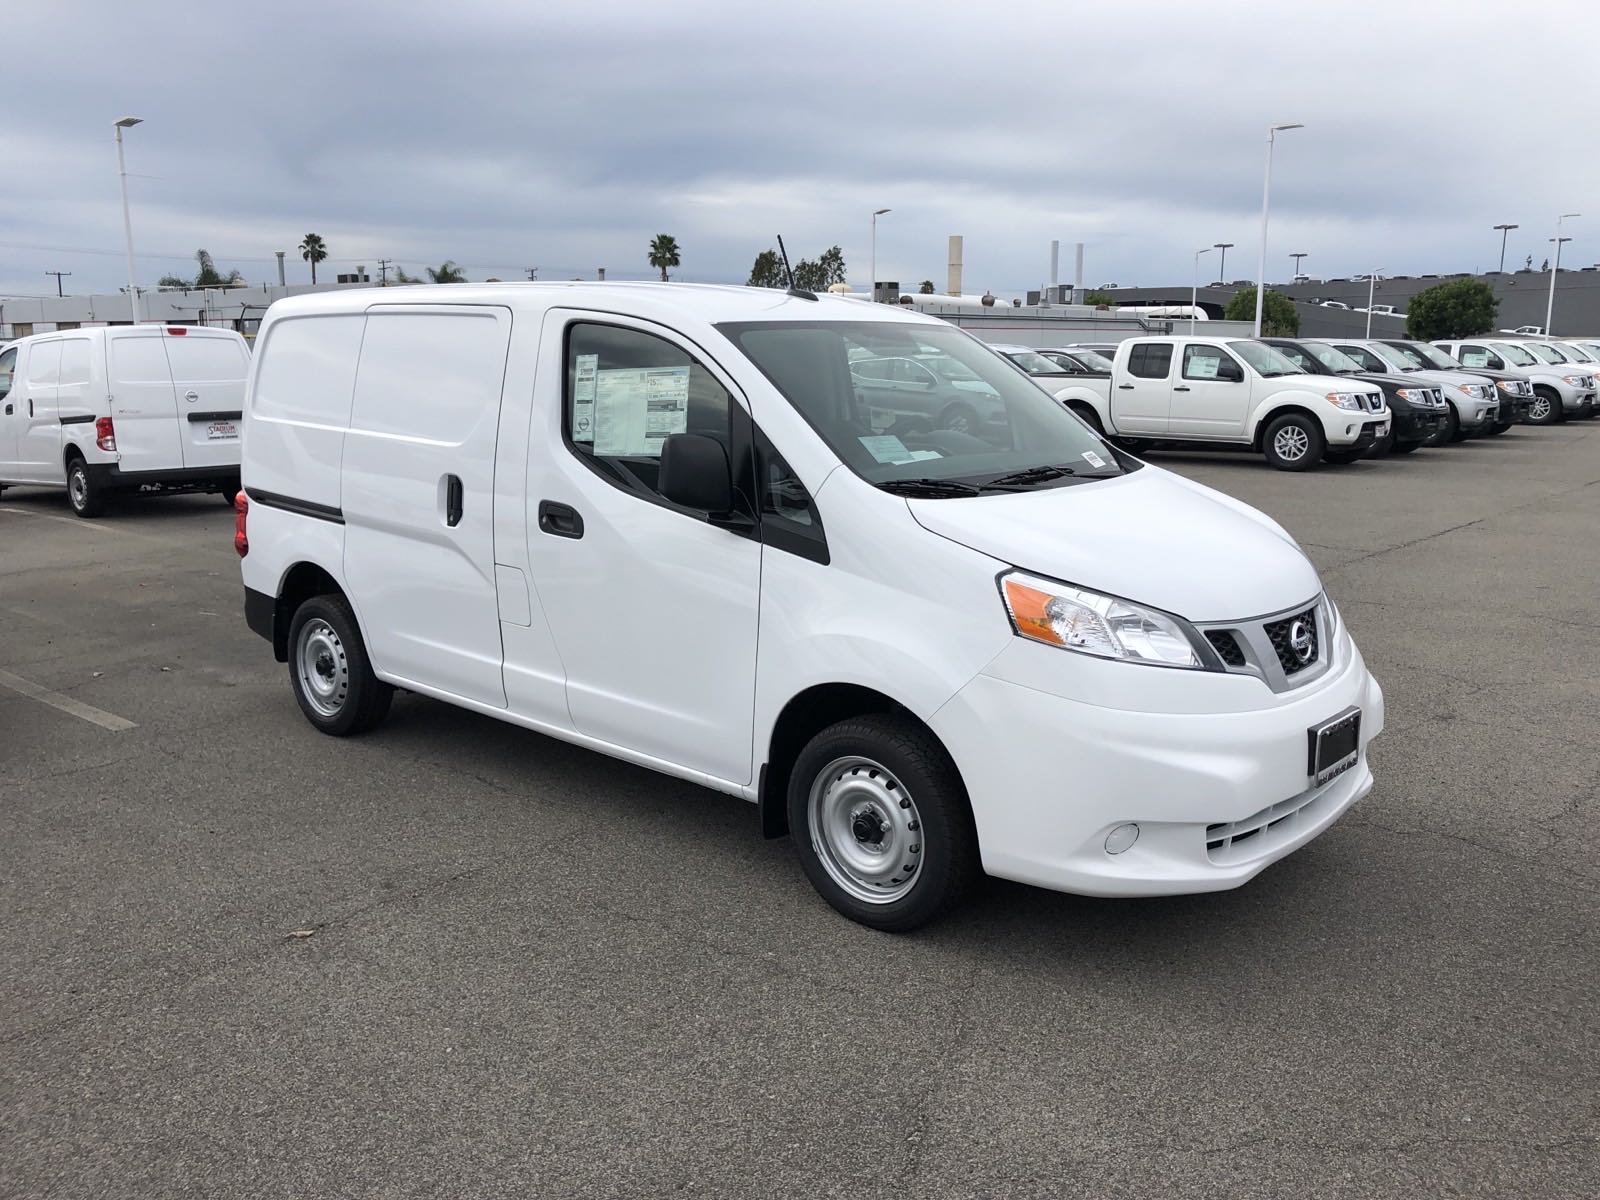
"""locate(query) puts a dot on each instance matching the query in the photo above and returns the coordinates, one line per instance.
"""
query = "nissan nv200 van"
(671, 523)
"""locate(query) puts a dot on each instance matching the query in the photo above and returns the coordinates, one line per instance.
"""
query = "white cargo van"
(671, 523)
(152, 408)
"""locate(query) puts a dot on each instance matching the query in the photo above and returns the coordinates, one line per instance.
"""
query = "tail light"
(105, 435)
(241, 521)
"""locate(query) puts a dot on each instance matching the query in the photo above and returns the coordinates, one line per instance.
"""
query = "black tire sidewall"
(367, 700)
(1318, 444)
(93, 500)
(948, 864)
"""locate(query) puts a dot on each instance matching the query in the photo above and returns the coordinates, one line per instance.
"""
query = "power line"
(58, 275)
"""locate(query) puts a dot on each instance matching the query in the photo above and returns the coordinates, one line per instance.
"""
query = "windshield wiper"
(931, 488)
(1030, 476)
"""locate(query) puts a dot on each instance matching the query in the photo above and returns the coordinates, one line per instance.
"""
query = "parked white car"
(1238, 392)
(151, 408)
(660, 521)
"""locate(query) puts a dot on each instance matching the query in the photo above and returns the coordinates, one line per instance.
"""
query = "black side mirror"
(1230, 371)
(695, 473)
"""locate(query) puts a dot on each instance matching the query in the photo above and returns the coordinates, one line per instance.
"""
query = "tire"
(86, 498)
(1498, 428)
(1340, 458)
(1408, 447)
(958, 418)
(1546, 407)
(869, 795)
(1450, 427)
(1293, 442)
(330, 672)
(1088, 416)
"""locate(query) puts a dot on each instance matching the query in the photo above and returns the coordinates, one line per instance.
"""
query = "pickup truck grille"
(1374, 401)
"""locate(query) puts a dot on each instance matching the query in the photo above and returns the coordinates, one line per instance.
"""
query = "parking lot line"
(76, 523)
(66, 704)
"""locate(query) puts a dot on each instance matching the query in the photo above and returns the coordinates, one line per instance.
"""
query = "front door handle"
(1182, 387)
(8, 410)
(453, 496)
(560, 520)
(1125, 387)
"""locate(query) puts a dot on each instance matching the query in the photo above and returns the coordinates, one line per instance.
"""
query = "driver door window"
(8, 370)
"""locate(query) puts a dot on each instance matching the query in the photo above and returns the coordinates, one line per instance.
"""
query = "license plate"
(218, 431)
(1334, 746)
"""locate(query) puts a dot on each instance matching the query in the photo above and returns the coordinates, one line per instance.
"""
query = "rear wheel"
(1545, 408)
(329, 669)
(1089, 417)
(881, 822)
(1293, 443)
(87, 498)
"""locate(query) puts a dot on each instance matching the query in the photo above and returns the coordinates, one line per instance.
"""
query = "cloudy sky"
(507, 135)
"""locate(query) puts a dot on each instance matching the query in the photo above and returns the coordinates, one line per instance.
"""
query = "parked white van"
(151, 408)
(666, 522)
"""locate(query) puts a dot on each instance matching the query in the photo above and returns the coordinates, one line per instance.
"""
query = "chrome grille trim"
(1262, 658)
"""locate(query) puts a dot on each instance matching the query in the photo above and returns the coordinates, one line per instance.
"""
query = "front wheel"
(1088, 416)
(1545, 408)
(87, 498)
(329, 669)
(881, 822)
(1293, 443)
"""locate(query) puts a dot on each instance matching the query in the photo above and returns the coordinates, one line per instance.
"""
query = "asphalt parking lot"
(535, 971)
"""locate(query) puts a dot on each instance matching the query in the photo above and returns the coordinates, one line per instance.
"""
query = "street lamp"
(1297, 256)
(1372, 287)
(1504, 230)
(1222, 263)
(1266, 193)
(1550, 307)
(1194, 293)
(872, 284)
(127, 221)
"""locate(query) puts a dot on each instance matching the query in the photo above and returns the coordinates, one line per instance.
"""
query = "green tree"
(664, 253)
(1460, 308)
(400, 276)
(1096, 297)
(768, 271)
(810, 276)
(313, 250)
(1279, 316)
(447, 272)
(207, 276)
(831, 264)
(925, 288)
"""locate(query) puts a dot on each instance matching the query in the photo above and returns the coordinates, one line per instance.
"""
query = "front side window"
(952, 438)
(1331, 360)
(1092, 360)
(1548, 353)
(1516, 354)
(1300, 358)
(1428, 356)
(1365, 359)
(1206, 362)
(1035, 364)
(1577, 354)
(627, 391)
(1150, 360)
(1479, 356)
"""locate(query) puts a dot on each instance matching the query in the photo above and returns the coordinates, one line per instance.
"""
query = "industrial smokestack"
(279, 253)
(1055, 272)
(1077, 273)
(954, 280)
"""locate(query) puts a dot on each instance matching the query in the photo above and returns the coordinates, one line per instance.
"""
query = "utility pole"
(383, 272)
(58, 275)
(533, 273)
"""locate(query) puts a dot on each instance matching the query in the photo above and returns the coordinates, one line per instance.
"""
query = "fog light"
(1121, 838)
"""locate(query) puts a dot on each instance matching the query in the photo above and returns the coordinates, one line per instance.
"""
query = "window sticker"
(1093, 459)
(583, 398)
(887, 448)
(637, 409)
(1202, 367)
(1474, 358)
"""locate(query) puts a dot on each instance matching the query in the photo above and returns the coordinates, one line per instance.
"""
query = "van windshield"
(868, 390)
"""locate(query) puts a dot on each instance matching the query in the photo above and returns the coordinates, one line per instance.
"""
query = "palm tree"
(447, 272)
(663, 253)
(313, 251)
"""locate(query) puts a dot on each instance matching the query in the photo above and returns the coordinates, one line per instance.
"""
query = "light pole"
(1194, 292)
(1550, 307)
(1266, 195)
(872, 284)
(1222, 263)
(1297, 256)
(1504, 230)
(1372, 288)
(127, 221)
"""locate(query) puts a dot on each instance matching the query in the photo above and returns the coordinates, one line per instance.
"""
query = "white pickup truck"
(1237, 392)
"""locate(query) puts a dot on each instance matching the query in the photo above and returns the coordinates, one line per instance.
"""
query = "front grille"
(1374, 401)
(1292, 660)
(1226, 646)
(1239, 841)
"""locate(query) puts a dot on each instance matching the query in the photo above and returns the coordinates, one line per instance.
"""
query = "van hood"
(1149, 536)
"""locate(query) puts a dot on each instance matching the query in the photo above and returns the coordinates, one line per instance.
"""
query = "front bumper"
(1358, 434)
(1217, 796)
(1416, 425)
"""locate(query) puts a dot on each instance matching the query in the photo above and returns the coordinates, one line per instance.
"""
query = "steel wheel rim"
(323, 668)
(1291, 443)
(866, 830)
(1540, 408)
(78, 488)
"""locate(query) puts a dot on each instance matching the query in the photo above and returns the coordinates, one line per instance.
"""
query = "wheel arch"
(1269, 415)
(300, 583)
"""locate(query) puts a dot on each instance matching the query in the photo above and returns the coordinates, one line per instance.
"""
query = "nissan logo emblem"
(1300, 641)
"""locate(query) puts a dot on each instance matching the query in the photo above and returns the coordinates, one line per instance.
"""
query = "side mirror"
(695, 473)
(1230, 371)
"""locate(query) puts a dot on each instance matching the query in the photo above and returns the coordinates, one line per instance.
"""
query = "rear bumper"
(260, 613)
(114, 478)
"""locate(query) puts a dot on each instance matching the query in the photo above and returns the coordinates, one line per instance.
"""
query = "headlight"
(1507, 386)
(1344, 400)
(1574, 380)
(1074, 619)
(1413, 395)
(1475, 390)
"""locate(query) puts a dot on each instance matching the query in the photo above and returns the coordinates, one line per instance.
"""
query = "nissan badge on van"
(927, 620)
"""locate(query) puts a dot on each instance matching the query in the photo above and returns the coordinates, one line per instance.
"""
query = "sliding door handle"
(560, 520)
(454, 496)
(1125, 387)
(1182, 388)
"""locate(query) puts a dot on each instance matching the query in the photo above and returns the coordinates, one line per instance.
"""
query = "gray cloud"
(507, 135)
